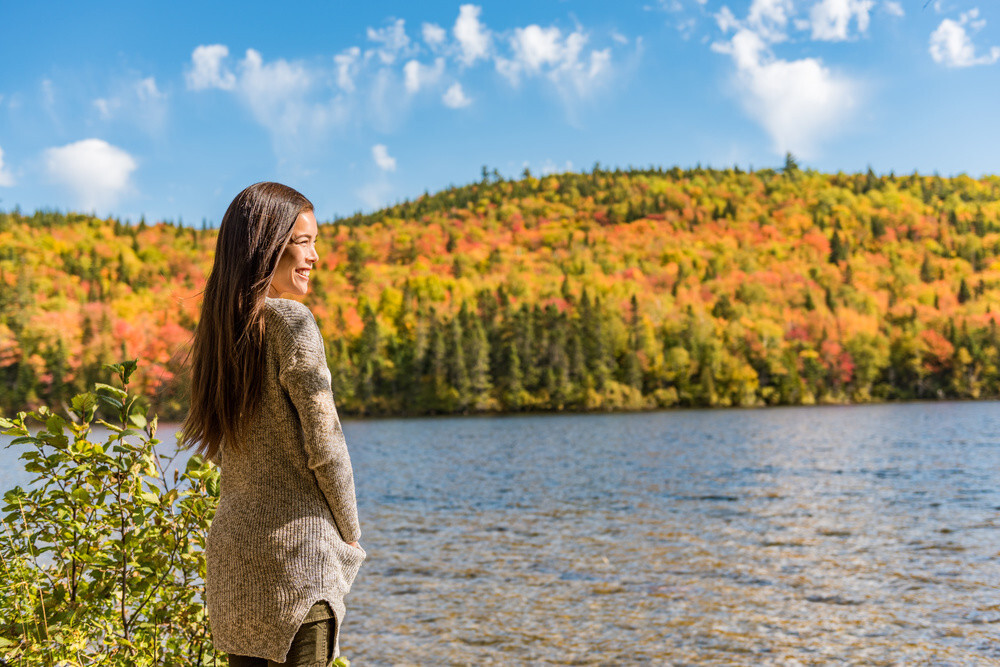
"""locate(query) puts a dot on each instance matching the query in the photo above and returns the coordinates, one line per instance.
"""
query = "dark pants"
(311, 647)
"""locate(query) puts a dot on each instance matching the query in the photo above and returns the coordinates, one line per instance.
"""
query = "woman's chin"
(295, 289)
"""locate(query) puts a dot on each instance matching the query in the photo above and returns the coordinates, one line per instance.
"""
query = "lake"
(859, 535)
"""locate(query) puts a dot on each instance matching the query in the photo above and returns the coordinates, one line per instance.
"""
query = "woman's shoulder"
(287, 309)
(293, 319)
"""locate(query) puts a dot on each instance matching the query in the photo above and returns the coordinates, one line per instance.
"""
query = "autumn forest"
(607, 290)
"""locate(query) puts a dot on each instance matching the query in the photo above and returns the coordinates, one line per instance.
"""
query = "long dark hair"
(228, 349)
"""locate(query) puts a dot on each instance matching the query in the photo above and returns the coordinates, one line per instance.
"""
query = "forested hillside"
(603, 290)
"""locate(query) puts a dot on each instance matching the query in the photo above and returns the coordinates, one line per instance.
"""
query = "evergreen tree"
(368, 356)
(592, 338)
(838, 248)
(557, 368)
(578, 374)
(512, 378)
(926, 270)
(458, 373)
(524, 334)
(963, 292)
(477, 354)
(435, 376)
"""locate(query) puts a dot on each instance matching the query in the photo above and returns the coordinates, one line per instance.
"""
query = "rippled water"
(856, 535)
(864, 535)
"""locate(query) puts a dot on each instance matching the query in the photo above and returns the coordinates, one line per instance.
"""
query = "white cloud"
(455, 98)
(271, 88)
(281, 95)
(686, 27)
(347, 67)
(535, 46)
(394, 40)
(97, 172)
(544, 51)
(831, 18)
(893, 8)
(950, 44)
(416, 75)
(387, 100)
(381, 156)
(799, 103)
(6, 178)
(375, 86)
(769, 18)
(139, 101)
(106, 107)
(725, 19)
(473, 37)
(207, 70)
(146, 90)
(434, 35)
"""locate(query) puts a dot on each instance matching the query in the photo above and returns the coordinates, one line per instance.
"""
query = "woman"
(283, 548)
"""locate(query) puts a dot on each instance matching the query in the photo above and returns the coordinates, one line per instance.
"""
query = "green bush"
(102, 555)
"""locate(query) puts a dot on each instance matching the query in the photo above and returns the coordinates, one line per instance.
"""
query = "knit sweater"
(278, 543)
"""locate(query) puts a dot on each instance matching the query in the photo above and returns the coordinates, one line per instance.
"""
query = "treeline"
(613, 289)
(494, 356)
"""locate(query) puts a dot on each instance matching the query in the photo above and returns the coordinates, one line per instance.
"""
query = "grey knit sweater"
(278, 542)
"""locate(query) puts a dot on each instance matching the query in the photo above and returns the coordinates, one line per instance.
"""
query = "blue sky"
(169, 109)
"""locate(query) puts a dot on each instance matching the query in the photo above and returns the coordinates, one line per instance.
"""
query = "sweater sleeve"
(304, 374)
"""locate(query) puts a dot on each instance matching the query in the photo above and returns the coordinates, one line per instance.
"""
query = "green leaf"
(26, 439)
(150, 498)
(110, 426)
(129, 367)
(57, 440)
(84, 405)
(110, 401)
(55, 424)
(138, 420)
(194, 463)
(120, 393)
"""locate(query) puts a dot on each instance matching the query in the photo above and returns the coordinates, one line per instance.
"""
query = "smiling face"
(291, 276)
